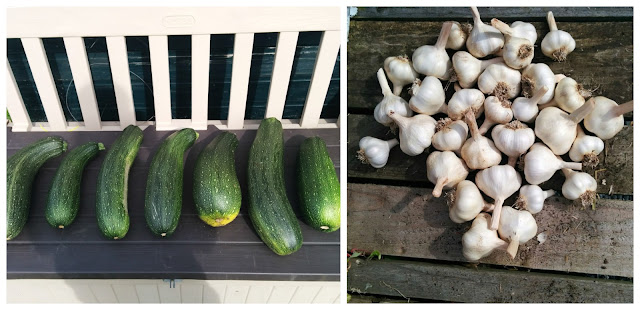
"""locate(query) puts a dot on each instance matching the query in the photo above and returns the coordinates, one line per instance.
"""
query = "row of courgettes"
(216, 190)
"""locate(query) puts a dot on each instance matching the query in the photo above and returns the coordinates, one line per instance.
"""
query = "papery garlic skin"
(557, 44)
(415, 132)
(458, 36)
(606, 119)
(557, 129)
(428, 96)
(467, 68)
(513, 139)
(478, 152)
(579, 185)
(400, 72)
(586, 148)
(466, 202)
(517, 226)
(463, 100)
(535, 76)
(517, 51)
(390, 102)
(445, 170)
(483, 40)
(501, 81)
(569, 95)
(526, 109)
(496, 111)
(540, 164)
(433, 60)
(524, 30)
(498, 182)
(375, 151)
(532, 198)
(480, 241)
(450, 135)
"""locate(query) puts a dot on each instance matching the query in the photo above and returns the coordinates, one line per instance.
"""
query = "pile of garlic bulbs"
(532, 116)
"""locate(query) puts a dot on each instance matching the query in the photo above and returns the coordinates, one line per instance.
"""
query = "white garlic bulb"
(498, 182)
(428, 96)
(445, 170)
(464, 100)
(569, 95)
(480, 241)
(580, 186)
(496, 111)
(513, 139)
(450, 135)
(517, 226)
(467, 68)
(433, 60)
(501, 81)
(536, 76)
(458, 36)
(557, 129)
(390, 102)
(540, 164)
(606, 119)
(524, 30)
(526, 109)
(478, 152)
(466, 202)
(586, 148)
(400, 72)
(557, 44)
(374, 151)
(483, 40)
(415, 132)
(532, 198)
(517, 51)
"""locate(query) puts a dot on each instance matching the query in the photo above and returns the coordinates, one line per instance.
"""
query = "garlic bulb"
(569, 95)
(532, 198)
(480, 241)
(536, 76)
(496, 111)
(606, 119)
(390, 102)
(458, 36)
(517, 226)
(580, 186)
(415, 132)
(586, 148)
(557, 128)
(428, 96)
(501, 81)
(526, 109)
(483, 40)
(517, 51)
(540, 164)
(557, 44)
(465, 202)
(498, 182)
(450, 135)
(433, 60)
(467, 68)
(513, 139)
(400, 72)
(524, 30)
(374, 151)
(464, 100)
(445, 170)
(478, 151)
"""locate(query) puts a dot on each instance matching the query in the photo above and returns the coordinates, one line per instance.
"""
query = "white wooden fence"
(72, 24)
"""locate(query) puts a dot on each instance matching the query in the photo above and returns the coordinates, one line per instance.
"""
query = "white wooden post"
(242, 49)
(285, 52)
(159, 54)
(200, 50)
(81, 72)
(18, 112)
(119, 62)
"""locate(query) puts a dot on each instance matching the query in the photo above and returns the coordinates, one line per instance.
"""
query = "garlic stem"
(437, 190)
(580, 113)
(384, 85)
(495, 216)
(504, 28)
(512, 161)
(538, 94)
(488, 207)
(567, 172)
(470, 119)
(623, 108)
(444, 35)
(551, 103)
(570, 165)
(514, 243)
(552, 22)
(559, 77)
(485, 63)
(400, 120)
(548, 193)
(476, 15)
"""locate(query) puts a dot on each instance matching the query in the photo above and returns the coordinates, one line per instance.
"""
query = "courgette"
(318, 186)
(269, 209)
(163, 197)
(216, 190)
(22, 168)
(63, 200)
(112, 210)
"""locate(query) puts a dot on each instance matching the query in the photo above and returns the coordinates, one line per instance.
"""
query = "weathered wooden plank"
(409, 279)
(409, 222)
(614, 171)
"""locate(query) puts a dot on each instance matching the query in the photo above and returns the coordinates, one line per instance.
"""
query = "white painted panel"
(214, 292)
(327, 294)
(191, 293)
(19, 115)
(39, 65)
(242, 49)
(103, 292)
(159, 54)
(126, 293)
(285, 52)
(327, 54)
(200, 50)
(174, 20)
(28, 291)
(305, 294)
(82, 81)
(259, 294)
(117, 50)
(169, 295)
(236, 294)
(148, 293)
(282, 294)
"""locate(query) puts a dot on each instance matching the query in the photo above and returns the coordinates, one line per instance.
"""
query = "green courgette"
(216, 190)
(22, 168)
(318, 186)
(163, 197)
(63, 200)
(269, 208)
(112, 210)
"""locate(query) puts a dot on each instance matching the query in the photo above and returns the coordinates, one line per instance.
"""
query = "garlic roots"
(400, 72)
(483, 40)
(498, 182)
(415, 132)
(428, 96)
(580, 186)
(433, 60)
(586, 148)
(517, 226)
(606, 120)
(501, 81)
(465, 202)
(374, 151)
(540, 164)
(445, 170)
(557, 44)
(450, 135)
(557, 129)
(480, 241)
(390, 102)
(532, 198)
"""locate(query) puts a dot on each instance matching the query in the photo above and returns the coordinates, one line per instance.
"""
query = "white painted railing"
(72, 24)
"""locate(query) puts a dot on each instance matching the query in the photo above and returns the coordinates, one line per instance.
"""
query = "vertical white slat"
(214, 292)
(305, 294)
(259, 294)
(39, 65)
(81, 72)
(148, 293)
(169, 295)
(159, 54)
(192, 293)
(282, 294)
(327, 294)
(18, 112)
(242, 49)
(200, 50)
(236, 294)
(119, 63)
(327, 54)
(104, 293)
(285, 52)
(126, 293)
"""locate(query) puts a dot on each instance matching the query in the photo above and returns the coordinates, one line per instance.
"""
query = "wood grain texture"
(409, 222)
(479, 285)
